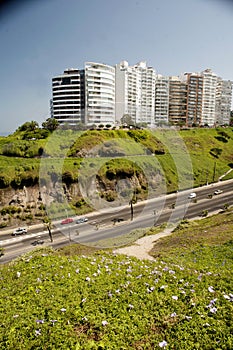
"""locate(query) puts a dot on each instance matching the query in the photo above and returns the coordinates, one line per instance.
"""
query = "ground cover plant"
(188, 236)
(101, 300)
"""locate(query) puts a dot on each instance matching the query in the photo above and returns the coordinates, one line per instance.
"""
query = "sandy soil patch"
(140, 249)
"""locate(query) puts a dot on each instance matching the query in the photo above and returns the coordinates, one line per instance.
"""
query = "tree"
(29, 126)
(48, 224)
(127, 119)
(50, 124)
(231, 119)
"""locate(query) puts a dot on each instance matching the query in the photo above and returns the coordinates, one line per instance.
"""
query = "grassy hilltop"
(151, 162)
(20, 155)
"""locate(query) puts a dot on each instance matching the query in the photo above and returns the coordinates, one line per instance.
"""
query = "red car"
(66, 221)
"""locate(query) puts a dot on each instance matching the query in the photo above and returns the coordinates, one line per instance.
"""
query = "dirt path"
(142, 246)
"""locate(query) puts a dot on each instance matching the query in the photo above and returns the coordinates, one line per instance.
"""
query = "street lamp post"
(69, 225)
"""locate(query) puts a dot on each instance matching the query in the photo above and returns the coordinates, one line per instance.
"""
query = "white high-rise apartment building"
(161, 99)
(99, 93)
(67, 103)
(209, 97)
(86, 95)
(223, 101)
(147, 93)
(135, 92)
(103, 94)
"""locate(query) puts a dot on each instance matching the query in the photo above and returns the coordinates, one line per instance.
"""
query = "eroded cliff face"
(28, 205)
(19, 197)
(36, 195)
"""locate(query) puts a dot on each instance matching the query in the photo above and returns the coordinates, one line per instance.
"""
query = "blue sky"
(41, 38)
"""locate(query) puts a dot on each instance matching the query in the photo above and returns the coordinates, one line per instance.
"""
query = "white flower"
(104, 323)
(213, 301)
(63, 309)
(88, 279)
(53, 321)
(18, 274)
(162, 344)
(163, 287)
(37, 332)
(173, 314)
(226, 296)
(174, 297)
(77, 271)
(188, 317)
(211, 289)
(213, 310)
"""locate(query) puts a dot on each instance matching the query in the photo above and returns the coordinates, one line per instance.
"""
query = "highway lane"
(88, 233)
(157, 205)
(168, 215)
(141, 208)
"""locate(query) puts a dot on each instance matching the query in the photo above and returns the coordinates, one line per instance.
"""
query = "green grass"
(120, 241)
(83, 298)
(191, 235)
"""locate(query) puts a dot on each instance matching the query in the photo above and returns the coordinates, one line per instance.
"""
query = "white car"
(19, 231)
(192, 195)
(218, 192)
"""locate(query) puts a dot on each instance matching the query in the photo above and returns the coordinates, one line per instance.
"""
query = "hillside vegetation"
(145, 163)
(205, 147)
(82, 298)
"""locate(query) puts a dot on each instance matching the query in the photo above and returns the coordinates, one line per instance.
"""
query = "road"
(170, 208)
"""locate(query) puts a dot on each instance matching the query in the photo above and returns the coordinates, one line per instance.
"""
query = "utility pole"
(131, 209)
(155, 213)
(69, 225)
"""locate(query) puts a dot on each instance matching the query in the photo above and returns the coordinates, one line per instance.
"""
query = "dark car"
(117, 219)
(39, 241)
(81, 220)
(67, 221)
